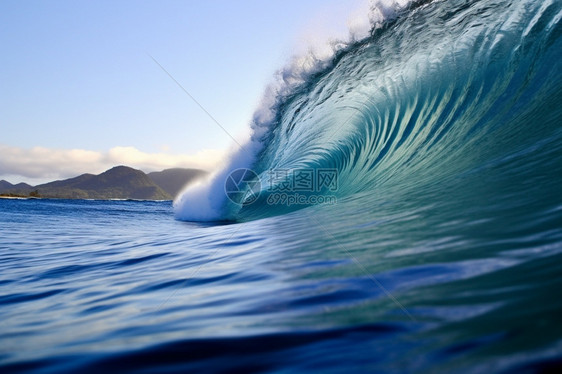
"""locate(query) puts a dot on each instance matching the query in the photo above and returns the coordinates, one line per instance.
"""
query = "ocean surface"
(398, 209)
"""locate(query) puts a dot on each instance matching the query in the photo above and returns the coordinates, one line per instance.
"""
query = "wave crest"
(406, 105)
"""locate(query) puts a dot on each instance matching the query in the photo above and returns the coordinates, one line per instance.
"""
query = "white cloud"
(41, 163)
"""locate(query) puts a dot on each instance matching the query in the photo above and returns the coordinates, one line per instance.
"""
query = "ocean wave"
(434, 91)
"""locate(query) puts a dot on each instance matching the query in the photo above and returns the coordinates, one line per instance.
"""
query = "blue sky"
(79, 90)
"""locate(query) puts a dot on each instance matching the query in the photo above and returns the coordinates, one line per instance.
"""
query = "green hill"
(5, 185)
(20, 189)
(120, 182)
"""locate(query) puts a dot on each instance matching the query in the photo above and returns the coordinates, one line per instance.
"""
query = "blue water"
(440, 249)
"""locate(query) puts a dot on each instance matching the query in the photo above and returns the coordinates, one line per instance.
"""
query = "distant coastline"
(117, 183)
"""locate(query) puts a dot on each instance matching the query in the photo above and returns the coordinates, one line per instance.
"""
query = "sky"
(83, 86)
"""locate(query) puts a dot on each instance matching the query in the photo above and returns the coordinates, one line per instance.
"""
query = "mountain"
(120, 182)
(20, 189)
(4, 185)
(22, 185)
(174, 180)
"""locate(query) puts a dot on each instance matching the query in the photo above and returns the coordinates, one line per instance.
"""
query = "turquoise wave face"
(448, 93)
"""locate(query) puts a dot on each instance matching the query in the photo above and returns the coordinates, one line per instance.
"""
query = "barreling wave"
(437, 90)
